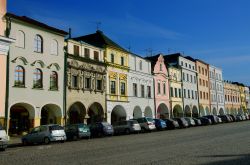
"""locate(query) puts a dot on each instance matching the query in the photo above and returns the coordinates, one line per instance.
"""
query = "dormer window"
(76, 50)
(96, 55)
(86, 53)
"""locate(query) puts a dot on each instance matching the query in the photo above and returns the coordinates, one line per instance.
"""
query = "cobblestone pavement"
(223, 144)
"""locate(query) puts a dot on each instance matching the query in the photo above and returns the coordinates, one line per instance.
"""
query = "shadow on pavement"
(241, 159)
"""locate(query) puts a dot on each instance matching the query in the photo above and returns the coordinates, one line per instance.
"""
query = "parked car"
(171, 124)
(247, 116)
(77, 131)
(197, 121)
(45, 134)
(239, 117)
(243, 117)
(147, 124)
(126, 127)
(182, 122)
(213, 118)
(233, 117)
(160, 124)
(205, 121)
(190, 121)
(3, 139)
(225, 118)
(101, 129)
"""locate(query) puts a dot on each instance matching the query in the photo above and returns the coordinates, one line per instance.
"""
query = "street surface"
(223, 144)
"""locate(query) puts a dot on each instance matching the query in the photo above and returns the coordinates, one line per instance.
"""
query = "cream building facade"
(36, 74)
(86, 83)
(140, 88)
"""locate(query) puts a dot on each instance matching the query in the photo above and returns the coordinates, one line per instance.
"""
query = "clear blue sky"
(216, 31)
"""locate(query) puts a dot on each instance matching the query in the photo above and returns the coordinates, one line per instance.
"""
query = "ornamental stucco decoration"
(55, 65)
(123, 76)
(74, 63)
(25, 62)
(39, 62)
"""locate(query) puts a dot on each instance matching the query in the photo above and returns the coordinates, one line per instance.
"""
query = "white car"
(3, 139)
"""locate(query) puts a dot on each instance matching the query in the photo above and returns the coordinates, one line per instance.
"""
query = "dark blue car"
(160, 124)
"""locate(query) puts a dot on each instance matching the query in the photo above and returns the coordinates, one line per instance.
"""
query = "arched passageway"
(95, 113)
(118, 113)
(76, 113)
(177, 111)
(51, 114)
(187, 111)
(148, 112)
(195, 112)
(162, 111)
(137, 113)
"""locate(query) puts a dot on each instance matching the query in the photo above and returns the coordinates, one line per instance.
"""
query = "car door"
(33, 136)
(41, 134)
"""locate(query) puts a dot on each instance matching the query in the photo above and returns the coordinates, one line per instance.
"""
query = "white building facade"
(140, 88)
(36, 74)
(247, 93)
(217, 105)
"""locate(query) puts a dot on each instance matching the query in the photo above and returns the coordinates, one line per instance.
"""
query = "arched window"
(53, 81)
(20, 39)
(54, 47)
(38, 44)
(38, 78)
(19, 76)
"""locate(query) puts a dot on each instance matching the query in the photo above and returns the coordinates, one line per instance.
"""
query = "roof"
(153, 60)
(99, 39)
(36, 23)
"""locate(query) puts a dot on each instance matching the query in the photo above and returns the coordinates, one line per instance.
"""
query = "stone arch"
(202, 111)
(195, 111)
(214, 111)
(23, 59)
(41, 63)
(76, 113)
(162, 111)
(187, 111)
(221, 111)
(118, 113)
(95, 113)
(177, 111)
(148, 112)
(137, 113)
(51, 114)
(22, 117)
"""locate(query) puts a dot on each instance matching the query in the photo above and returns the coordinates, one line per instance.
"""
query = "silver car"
(147, 124)
(45, 134)
(3, 139)
(126, 127)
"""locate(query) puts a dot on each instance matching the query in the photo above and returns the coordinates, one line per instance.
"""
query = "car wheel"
(46, 140)
(127, 131)
(24, 142)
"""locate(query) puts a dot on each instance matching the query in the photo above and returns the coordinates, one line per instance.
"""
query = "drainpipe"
(6, 123)
(65, 83)
(154, 96)
(197, 82)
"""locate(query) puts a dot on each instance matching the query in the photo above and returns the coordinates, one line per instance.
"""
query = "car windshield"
(150, 119)
(55, 127)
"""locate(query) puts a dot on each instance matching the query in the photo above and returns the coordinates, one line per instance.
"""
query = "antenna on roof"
(97, 23)
(149, 51)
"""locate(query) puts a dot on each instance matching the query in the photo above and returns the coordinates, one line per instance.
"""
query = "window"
(191, 78)
(180, 93)
(37, 78)
(160, 67)
(38, 44)
(87, 83)
(189, 66)
(53, 81)
(19, 76)
(20, 39)
(192, 94)
(135, 89)
(159, 88)
(195, 79)
(86, 53)
(186, 64)
(183, 76)
(142, 91)
(99, 85)
(164, 88)
(187, 77)
(184, 92)
(140, 65)
(171, 92)
(123, 88)
(112, 87)
(122, 61)
(200, 94)
(54, 47)
(188, 94)
(76, 50)
(202, 71)
(149, 91)
(181, 63)
(74, 81)
(200, 82)
(196, 95)
(112, 58)
(199, 68)
(175, 92)
(96, 55)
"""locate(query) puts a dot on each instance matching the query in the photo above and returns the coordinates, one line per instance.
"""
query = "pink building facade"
(161, 85)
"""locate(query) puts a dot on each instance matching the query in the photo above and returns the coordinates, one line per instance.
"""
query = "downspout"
(65, 83)
(154, 94)
(197, 94)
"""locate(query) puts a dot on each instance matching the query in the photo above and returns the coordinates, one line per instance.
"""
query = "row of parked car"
(50, 133)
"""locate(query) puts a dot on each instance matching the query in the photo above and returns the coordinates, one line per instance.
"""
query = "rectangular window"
(200, 94)
(164, 88)
(135, 89)
(191, 78)
(175, 92)
(180, 95)
(196, 95)
(112, 87)
(159, 88)
(187, 77)
(188, 94)
(123, 88)
(200, 82)
(99, 85)
(183, 76)
(87, 83)
(171, 92)
(86, 53)
(76, 50)
(96, 55)
(122, 61)
(142, 91)
(184, 92)
(192, 94)
(149, 91)
(195, 79)
(112, 58)
(74, 81)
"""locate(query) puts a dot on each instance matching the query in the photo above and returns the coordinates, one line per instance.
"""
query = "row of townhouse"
(49, 77)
